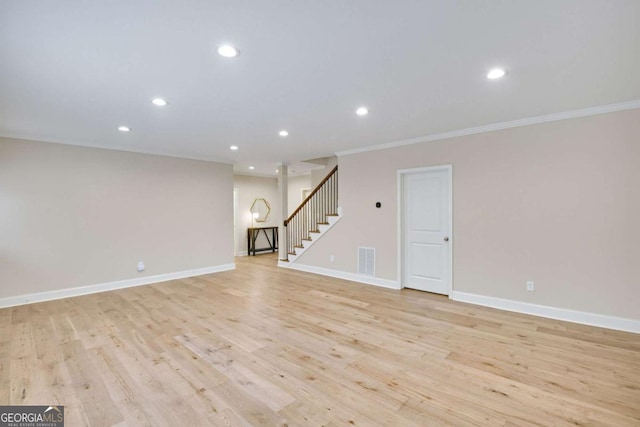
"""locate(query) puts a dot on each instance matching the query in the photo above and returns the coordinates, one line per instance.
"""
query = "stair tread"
(305, 219)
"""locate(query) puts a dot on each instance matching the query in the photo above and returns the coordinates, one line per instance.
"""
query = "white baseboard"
(242, 253)
(109, 286)
(384, 283)
(583, 317)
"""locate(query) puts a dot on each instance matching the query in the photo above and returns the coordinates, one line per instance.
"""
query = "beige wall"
(295, 186)
(317, 175)
(73, 216)
(557, 203)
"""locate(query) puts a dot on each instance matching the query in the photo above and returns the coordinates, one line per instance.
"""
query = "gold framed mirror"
(260, 210)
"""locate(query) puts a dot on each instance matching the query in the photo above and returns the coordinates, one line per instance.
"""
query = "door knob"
(446, 239)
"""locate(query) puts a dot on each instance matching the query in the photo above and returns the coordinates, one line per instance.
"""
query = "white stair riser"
(322, 228)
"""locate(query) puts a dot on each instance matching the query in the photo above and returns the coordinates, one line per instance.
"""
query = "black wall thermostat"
(378, 204)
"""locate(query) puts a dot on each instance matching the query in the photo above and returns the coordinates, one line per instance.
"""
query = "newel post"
(283, 186)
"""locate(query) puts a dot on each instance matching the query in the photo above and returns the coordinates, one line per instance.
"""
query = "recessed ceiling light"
(251, 168)
(233, 147)
(496, 73)
(277, 171)
(362, 111)
(159, 102)
(124, 128)
(283, 133)
(228, 51)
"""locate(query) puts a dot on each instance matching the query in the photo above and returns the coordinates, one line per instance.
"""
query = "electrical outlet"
(141, 266)
(331, 258)
(531, 286)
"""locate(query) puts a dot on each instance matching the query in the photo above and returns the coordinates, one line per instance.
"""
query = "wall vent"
(367, 261)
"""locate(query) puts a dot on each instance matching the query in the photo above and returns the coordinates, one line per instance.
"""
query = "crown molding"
(111, 148)
(573, 114)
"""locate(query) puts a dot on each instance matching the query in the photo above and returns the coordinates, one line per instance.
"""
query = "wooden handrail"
(315, 190)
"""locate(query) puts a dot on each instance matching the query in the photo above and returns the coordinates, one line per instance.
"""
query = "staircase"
(312, 219)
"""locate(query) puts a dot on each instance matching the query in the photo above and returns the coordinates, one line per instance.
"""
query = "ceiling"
(73, 71)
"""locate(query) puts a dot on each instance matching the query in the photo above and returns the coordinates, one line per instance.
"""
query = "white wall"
(73, 216)
(557, 203)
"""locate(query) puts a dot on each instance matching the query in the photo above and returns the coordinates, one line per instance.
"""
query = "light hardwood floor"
(264, 346)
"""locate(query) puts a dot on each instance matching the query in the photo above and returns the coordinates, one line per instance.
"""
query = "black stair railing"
(312, 212)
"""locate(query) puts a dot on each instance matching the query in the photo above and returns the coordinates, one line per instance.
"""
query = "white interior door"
(427, 230)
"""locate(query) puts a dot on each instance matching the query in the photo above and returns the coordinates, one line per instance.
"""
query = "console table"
(254, 232)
